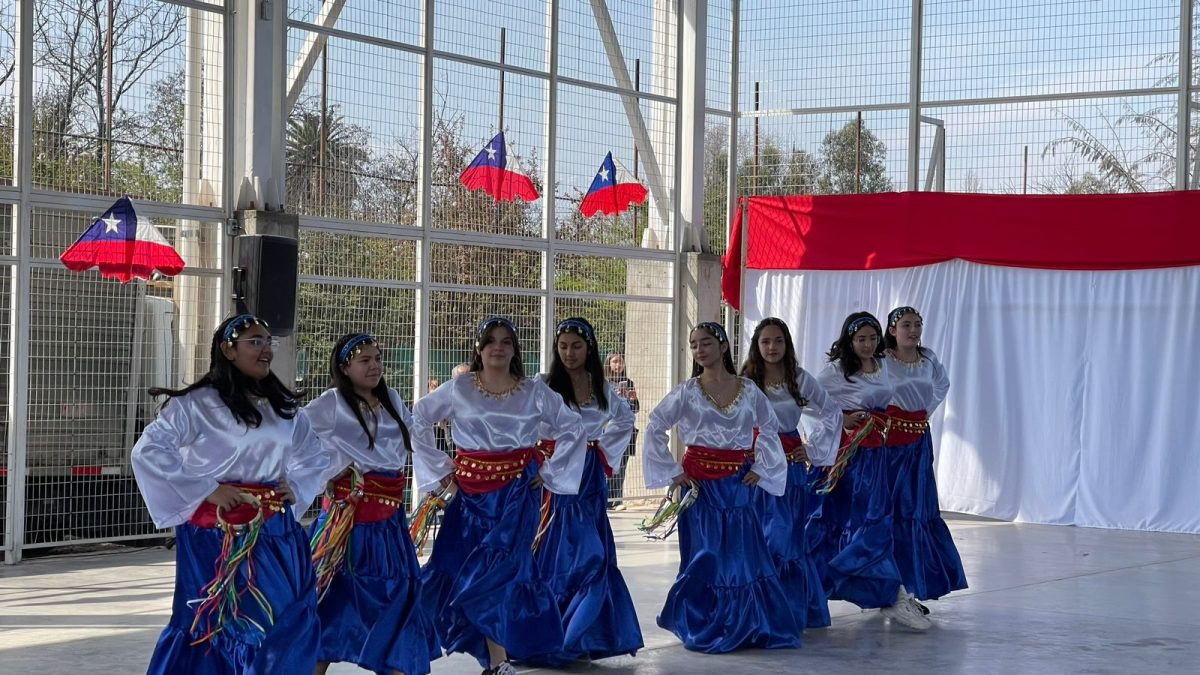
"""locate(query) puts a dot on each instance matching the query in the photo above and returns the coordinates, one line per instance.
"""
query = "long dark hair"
(842, 350)
(718, 331)
(516, 367)
(755, 366)
(894, 317)
(560, 380)
(344, 351)
(232, 385)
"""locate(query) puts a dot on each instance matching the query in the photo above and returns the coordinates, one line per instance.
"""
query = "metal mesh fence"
(640, 136)
(8, 80)
(112, 114)
(1051, 97)
(95, 347)
(351, 141)
(391, 20)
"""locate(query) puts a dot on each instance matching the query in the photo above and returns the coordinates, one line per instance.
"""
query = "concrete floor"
(1043, 599)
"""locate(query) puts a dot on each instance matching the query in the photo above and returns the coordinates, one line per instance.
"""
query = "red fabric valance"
(908, 229)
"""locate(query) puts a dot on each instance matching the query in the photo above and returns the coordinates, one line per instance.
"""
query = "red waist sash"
(793, 448)
(270, 503)
(378, 498)
(704, 463)
(481, 471)
(877, 434)
(546, 445)
(907, 427)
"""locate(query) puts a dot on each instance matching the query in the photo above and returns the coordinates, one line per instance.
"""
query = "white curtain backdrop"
(1073, 395)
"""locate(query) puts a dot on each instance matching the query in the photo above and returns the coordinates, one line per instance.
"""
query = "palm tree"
(324, 179)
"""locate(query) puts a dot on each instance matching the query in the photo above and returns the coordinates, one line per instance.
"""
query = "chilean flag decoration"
(613, 190)
(121, 247)
(489, 172)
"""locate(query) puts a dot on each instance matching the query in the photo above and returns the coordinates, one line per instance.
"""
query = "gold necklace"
(911, 365)
(497, 395)
(741, 387)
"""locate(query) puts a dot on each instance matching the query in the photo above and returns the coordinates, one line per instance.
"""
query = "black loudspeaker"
(264, 281)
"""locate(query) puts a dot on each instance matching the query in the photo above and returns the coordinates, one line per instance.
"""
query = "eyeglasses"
(260, 343)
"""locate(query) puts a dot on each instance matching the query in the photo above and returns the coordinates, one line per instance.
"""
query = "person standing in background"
(614, 372)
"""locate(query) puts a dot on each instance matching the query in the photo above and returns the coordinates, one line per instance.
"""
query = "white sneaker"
(906, 613)
(505, 668)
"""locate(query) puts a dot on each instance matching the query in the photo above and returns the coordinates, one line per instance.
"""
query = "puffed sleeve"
(309, 466)
(430, 464)
(658, 463)
(834, 383)
(826, 430)
(769, 461)
(564, 426)
(614, 441)
(322, 417)
(171, 495)
(941, 382)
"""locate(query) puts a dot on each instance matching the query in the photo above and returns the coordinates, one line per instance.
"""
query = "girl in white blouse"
(578, 556)
(230, 458)
(852, 530)
(727, 594)
(809, 428)
(925, 552)
(368, 578)
(481, 581)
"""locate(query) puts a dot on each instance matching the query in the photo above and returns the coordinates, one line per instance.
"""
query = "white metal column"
(18, 368)
(1183, 132)
(690, 139)
(425, 208)
(914, 97)
(548, 197)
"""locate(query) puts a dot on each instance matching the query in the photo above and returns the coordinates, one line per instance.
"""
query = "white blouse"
(862, 392)
(918, 386)
(611, 428)
(344, 438)
(196, 443)
(820, 421)
(701, 423)
(484, 422)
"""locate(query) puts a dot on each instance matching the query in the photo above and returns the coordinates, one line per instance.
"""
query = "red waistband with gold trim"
(793, 448)
(270, 502)
(703, 463)
(907, 426)
(872, 432)
(482, 471)
(547, 447)
(380, 496)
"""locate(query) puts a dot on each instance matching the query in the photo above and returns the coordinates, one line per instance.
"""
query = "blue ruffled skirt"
(578, 560)
(851, 534)
(785, 522)
(727, 595)
(481, 582)
(283, 572)
(372, 615)
(926, 555)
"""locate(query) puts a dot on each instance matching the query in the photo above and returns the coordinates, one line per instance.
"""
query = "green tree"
(841, 150)
(326, 160)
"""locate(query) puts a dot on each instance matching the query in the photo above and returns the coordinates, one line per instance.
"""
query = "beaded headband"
(717, 330)
(577, 327)
(238, 324)
(488, 324)
(355, 345)
(859, 323)
(895, 314)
